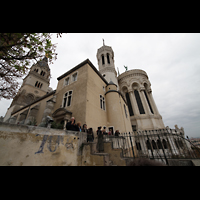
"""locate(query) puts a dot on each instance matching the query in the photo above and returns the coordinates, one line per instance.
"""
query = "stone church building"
(96, 97)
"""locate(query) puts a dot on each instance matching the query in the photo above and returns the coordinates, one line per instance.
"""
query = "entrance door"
(112, 128)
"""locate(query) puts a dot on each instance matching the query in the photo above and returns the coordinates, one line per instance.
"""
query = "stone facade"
(35, 85)
(135, 85)
(105, 58)
(22, 145)
(94, 97)
(97, 98)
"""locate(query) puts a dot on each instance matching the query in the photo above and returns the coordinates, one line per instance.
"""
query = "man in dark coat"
(117, 133)
(71, 125)
(90, 135)
(100, 146)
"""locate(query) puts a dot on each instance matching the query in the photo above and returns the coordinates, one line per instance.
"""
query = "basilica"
(97, 97)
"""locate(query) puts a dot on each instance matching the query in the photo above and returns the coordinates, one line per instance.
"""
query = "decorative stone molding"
(141, 89)
(132, 73)
(149, 90)
(108, 69)
(105, 48)
(146, 117)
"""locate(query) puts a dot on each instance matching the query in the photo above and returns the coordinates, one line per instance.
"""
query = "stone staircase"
(110, 157)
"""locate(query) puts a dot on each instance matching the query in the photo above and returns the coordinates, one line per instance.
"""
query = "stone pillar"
(48, 109)
(144, 102)
(17, 120)
(26, 120)
(23, 117)
(32, 114)
(151, 99)
(65, 123)
(133, 103)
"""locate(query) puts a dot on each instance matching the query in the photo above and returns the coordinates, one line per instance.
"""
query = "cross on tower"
(103, 43)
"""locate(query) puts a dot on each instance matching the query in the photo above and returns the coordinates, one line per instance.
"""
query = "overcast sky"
(171, 60)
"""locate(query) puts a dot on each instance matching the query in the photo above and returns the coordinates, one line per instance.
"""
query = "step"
(100, 154)
(93, 154)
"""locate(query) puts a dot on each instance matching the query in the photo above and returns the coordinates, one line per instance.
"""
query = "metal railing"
(162, 144)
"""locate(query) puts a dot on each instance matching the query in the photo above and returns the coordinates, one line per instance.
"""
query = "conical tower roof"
(44, 63)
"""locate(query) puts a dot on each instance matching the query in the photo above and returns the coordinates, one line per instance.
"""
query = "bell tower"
(38, 78)
(34, 86)
(105, 57)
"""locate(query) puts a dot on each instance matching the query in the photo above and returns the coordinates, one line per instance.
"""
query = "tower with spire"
(34, 86)
(105, 57)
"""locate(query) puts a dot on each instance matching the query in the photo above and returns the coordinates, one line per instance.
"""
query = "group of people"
(71, 125)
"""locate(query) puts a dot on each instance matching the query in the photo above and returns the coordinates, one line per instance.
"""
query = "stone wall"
(38, 146)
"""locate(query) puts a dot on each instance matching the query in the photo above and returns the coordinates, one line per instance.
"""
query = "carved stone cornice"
(141, 89)
(146, 116)
(105, 48)
(132, 73)
(108, 69)
(130, 90)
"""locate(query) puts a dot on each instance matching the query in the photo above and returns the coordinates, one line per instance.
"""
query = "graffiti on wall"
(53, 144)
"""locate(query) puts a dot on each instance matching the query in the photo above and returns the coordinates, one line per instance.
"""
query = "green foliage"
(56, 125)
(17, 50)
(33, 122)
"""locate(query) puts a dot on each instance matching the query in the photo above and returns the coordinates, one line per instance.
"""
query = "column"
(144, 102)
(26, 121)
(18, 116)
(65, 123)
(155, 109)
(47, 111)
(32, 115)
(134, 103)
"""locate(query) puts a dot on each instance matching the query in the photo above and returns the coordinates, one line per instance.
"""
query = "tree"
(17, 50)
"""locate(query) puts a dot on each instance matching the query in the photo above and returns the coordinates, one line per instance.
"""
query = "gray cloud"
(171, 61)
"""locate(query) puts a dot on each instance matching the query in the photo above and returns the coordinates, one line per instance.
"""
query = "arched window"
(36, 83)
(164, 143)
(154, 144)
(138, 146)
(139, 103)
(41, 73)
(108, 59)
(129, 105)
(148, 102)
(125, 111)
(159, 144)
(148, 145)
(103, 62)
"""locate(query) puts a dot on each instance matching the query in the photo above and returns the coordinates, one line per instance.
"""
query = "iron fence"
(162, 144)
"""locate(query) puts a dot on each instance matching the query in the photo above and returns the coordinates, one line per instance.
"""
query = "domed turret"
(105, 57)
